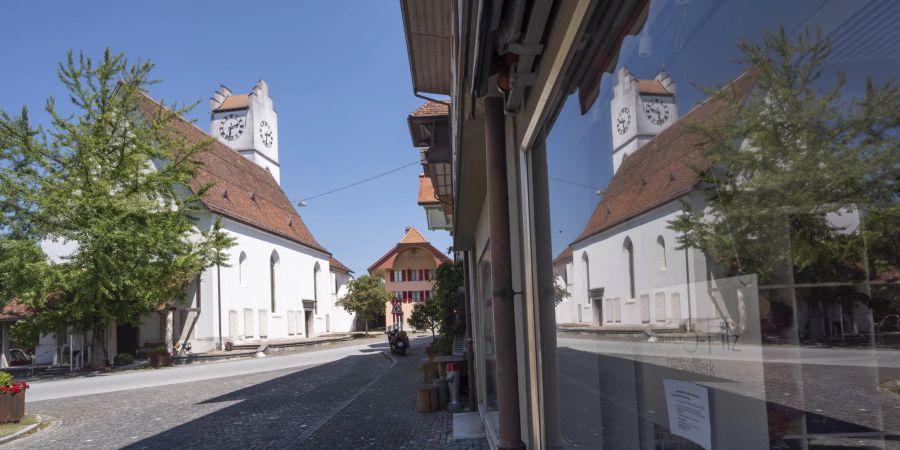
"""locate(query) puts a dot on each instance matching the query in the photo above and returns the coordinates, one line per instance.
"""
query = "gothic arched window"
(661, 252)
(273, 268)
(629, 253)
(242, 269)
(587, 275)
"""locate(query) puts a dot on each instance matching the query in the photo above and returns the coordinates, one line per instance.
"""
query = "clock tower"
(640, 110)
(248, 124)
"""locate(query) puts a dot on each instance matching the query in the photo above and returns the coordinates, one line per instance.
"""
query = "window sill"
(277, 316)
(628, 302)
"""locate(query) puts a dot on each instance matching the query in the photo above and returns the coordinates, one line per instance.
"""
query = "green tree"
(559, 293)
(366, 297)
(448, 279)
(426, 316)
(785, 155)
(110, 180)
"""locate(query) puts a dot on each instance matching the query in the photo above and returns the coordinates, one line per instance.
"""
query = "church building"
(624, 269)
(280, 282)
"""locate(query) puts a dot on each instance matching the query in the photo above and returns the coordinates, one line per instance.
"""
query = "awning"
(428, 25)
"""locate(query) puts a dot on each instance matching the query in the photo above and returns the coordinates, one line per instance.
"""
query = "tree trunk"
(367, 327)
(99, 356)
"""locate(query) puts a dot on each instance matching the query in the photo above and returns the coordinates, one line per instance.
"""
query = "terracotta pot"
(12, 407)
(160, 359)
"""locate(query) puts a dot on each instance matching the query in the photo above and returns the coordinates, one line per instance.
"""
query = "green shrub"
(5, 378)
(441, 345)
(123, 359)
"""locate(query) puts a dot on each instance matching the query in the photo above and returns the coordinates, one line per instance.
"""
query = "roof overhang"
(428, 25)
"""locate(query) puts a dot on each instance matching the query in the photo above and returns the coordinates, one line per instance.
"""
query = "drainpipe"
(219, 295)
(501, 276)
(543, 267)
(470, 311)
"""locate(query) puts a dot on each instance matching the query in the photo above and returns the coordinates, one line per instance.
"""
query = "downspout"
(543, 268)
(219, 295)
(469, 314)
(687, 281)
(501, 276)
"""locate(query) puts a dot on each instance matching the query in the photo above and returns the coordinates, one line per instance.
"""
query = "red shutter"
(390, 275)
(421, 274)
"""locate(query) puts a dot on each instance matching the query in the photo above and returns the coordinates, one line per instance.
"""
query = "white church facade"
(624, 269)
(280, 283)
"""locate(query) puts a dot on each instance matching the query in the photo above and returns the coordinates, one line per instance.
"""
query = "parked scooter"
(399, 341)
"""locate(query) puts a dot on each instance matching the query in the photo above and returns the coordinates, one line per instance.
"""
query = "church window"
(316, 270)
(661, 252)
(273, 268)
(629, 254)
(587, 274)
(242, 269)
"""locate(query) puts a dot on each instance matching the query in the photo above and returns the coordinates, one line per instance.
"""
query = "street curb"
(327, 418)
(28, 432)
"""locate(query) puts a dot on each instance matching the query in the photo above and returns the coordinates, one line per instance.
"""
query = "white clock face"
(657, 111)
(266, 134)
(231, 127)
(623, 120)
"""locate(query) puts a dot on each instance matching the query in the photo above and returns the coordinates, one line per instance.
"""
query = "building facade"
(553, 103)
(280, 283)
(409, 272)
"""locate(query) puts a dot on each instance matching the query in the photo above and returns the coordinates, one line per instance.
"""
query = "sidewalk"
(385, 416)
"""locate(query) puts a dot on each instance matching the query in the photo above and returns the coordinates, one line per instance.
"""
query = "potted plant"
(161, 357)
(12, 398)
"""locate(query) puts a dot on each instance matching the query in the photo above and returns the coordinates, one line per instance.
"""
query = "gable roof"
(564, 255)
(653, 87)
(432, 109)
(335, 264)
(242, 191)
(413, 236)
(238, 101)
(412, 239)
(661, 171)
(426, 191)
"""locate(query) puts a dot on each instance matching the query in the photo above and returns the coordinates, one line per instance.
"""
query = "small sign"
(688, 407)
(397, 310)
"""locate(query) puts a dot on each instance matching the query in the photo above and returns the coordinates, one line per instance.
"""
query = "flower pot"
(160, 359)
(12, 407)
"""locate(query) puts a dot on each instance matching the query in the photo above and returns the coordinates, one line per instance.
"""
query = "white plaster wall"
(341, 319)
(608, 264)
(294, 283)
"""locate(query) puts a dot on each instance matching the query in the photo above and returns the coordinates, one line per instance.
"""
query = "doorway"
(308, 321)
(126, 339)
(597, 306)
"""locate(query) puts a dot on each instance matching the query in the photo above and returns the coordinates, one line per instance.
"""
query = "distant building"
(409, 271)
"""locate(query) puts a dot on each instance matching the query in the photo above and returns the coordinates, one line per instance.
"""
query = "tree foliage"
(366, 296)
(787, 158)
(109, 183)
(559, 293)
(449, 277)
(426, 316)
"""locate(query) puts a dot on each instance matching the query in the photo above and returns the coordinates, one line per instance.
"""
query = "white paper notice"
(688, 407)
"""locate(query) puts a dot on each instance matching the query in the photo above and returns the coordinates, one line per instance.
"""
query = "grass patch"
(7, 429)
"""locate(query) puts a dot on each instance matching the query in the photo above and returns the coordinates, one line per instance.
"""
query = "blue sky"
(337, 72)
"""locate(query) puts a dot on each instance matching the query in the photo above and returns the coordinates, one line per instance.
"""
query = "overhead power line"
(357, 183)
(593, 188)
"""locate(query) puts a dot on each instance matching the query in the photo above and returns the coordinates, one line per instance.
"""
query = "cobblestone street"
(287, 408)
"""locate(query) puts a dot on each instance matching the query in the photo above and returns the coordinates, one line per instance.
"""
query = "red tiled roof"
(432, 109)
(652, 87)
(242, 190)
(335, 264)
(426, 191)
(234, 102)
(564, 255)
(412, 238)
(13, 310)
(661, 171)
